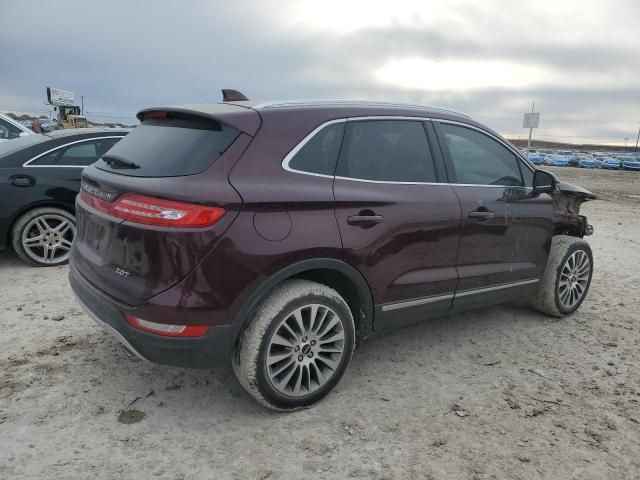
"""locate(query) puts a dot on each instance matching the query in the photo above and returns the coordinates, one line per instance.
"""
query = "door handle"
(481, 215)
(22, 181)
(364, 219)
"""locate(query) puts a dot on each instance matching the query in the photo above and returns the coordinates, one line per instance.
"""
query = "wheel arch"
(336, 274)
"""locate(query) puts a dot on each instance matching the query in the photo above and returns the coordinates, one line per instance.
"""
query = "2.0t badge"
(121, 272)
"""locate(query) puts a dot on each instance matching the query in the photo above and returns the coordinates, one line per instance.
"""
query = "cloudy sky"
(579, 60)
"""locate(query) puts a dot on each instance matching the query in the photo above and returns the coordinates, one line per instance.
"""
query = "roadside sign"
(531, 120)
(59, 97)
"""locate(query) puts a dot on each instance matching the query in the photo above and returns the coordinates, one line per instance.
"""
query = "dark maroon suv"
(280, 234)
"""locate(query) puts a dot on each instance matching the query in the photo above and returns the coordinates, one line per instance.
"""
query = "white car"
(10, 129)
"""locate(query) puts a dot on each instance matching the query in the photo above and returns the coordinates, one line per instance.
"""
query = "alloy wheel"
(574, 279)
(305, 350)
(47, 238)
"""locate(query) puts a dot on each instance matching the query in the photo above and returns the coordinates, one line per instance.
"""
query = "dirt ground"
(499, 393)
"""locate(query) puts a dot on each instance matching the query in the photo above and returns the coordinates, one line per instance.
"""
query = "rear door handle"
(22, 181)
(364, 219)
(481, 215)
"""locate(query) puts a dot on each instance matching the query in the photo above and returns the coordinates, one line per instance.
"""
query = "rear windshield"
(169, 148)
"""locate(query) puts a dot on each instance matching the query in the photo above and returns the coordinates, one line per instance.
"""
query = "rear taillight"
(164, 329)
(156, 211)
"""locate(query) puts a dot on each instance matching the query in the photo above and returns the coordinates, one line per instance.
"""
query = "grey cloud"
(124, 56)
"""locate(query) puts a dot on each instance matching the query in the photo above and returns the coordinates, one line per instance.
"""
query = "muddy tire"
(42, 237)
(297, 347)
(566, 278)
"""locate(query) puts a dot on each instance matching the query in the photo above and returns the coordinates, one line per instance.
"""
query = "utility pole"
(638, 138)
(82, 105)
(533, 104)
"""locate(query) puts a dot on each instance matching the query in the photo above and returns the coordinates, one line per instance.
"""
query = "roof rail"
(364, 103)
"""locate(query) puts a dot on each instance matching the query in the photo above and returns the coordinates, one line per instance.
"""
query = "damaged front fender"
(567, 199)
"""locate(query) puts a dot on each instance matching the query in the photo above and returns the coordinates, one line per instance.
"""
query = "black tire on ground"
(324, 315)
(566, 272)
(23, 222)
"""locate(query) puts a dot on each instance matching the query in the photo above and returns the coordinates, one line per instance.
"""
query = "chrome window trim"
(306, 139)
(387, 307)
(27, 163)
(302, 143)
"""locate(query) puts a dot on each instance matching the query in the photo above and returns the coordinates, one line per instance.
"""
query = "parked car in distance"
(39, 180)
(610, 163)
(10, 129)
(536, 159)
(631, 164)
(589, 162)
(574, 160)
(49, 126)
(557, 161)
(277, 235)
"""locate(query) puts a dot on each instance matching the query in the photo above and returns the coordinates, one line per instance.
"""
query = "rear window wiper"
(118, 162)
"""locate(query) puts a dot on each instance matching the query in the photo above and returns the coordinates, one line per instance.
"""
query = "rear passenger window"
(82, 154)
(320, 153)
(386, 150)
(478, 159)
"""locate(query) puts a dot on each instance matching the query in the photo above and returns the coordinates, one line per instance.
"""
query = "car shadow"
(158, 387)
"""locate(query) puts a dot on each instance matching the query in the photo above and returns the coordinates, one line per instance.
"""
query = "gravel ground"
(499, 393)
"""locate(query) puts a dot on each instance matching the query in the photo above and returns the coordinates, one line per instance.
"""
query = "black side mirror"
(544, 182)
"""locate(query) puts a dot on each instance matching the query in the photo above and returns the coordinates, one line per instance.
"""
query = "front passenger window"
(478, 159)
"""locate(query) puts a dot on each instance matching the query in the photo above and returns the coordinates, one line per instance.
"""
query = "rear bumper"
(212, 349)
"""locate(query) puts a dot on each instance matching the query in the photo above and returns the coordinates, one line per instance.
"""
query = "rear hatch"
(156, 203)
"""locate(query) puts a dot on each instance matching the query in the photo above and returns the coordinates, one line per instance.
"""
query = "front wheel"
(566, 278)
(42, 237)
(297, 347)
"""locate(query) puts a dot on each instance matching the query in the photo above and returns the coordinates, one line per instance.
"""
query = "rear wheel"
(297, 347)
(567, 277)
(42, 237)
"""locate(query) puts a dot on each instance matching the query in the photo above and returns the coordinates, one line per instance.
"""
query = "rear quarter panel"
(286, 216)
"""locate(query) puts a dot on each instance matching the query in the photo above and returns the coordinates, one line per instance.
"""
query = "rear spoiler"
(237, 116)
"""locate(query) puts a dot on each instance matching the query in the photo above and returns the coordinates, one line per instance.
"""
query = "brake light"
(165, 329)
(156, 211)
(150, 115)
(164, 213)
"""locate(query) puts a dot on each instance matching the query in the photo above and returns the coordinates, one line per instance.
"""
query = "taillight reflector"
(156, 211)
(165, 329)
